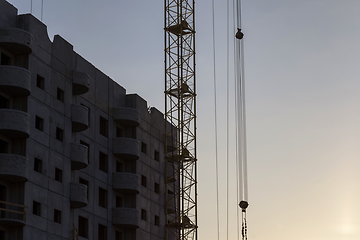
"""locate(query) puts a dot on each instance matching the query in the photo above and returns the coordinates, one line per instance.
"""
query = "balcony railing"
(12, 214)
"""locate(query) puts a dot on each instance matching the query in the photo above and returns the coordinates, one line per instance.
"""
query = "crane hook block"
(239, 34)
(243, 205)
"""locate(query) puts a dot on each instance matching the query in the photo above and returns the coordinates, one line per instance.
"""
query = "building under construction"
(79, 157)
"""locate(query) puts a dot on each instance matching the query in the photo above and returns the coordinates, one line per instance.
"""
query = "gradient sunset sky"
(302, 97)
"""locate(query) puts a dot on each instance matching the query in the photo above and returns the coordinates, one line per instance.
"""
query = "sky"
(302, 103)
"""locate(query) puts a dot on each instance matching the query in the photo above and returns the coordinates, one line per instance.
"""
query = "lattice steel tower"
(180, 115)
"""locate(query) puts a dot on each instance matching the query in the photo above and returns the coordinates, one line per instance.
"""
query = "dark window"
(37, 165)
(40, 82)
(118, 235)
(36, 208)
(2, 235)
(102, 198)
(133, 132)
(5, 59)
(103, 162)
(119, 132)
(83, 227)
(88, 151)
(83, 181)
(143, 181)
(143, 147)
(157, 220)
(156, 155)
(119, 201)
(4, 146)
(59, 134)
(119, 166)
(103, 127)
(58, 174)
(60, 94)
(102, 232)
(4, 102)
(57, 216)
(157, 188)
(143, 214)
(39, 123)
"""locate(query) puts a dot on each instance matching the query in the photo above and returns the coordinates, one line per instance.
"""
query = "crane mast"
(180, 121)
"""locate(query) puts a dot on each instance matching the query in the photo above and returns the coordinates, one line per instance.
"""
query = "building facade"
(79, 157)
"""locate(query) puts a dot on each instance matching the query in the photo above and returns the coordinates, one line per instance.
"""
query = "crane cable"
(215, 122)
(241, 120)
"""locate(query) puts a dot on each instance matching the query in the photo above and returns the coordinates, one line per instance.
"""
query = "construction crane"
(180, 116)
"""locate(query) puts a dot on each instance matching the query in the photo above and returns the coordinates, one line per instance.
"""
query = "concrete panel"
(13, 168)
(81, 83)
(14, 123)
(127, 116)
(78, 195)
(79, 156)
(125, 217)
(15, 80)
(127, 183)
(127, 148)
(16, 40)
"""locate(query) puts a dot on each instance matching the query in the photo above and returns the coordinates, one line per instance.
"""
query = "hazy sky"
(303, 102)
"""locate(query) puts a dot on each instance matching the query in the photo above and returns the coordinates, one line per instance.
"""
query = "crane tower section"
(180, 116)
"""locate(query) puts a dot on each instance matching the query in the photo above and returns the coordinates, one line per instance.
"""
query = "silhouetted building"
(79, 158)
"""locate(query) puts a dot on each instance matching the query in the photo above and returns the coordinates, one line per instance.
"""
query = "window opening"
(36, 208)
(157, 188)
(83, 227)
(156, 155)
(39, 123)
(102, 198)
(143, 180)
(5, 59)
(119, 166)
(57, 216)
(143, 214)
(40, 82)
(60, 94)
(38, 165)
(59, 134)
(103, 127)
(58, 174)
(157, 220)
(102, 232)
(4, 146)
(143, 147)
(4, 102)
(103, 162)
(119, 201)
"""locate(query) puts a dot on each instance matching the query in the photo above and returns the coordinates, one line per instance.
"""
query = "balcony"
(12, 214)
(80, 83)
(129, 117)
(125, 217)
(14, 123)
(16, 40)
(79, 118)
(128, 183)
(78, 195)
(79, 156)
(13, 168)
(126, 148)
(15, 80)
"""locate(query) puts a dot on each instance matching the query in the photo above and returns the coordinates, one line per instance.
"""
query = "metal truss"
(180, 116)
